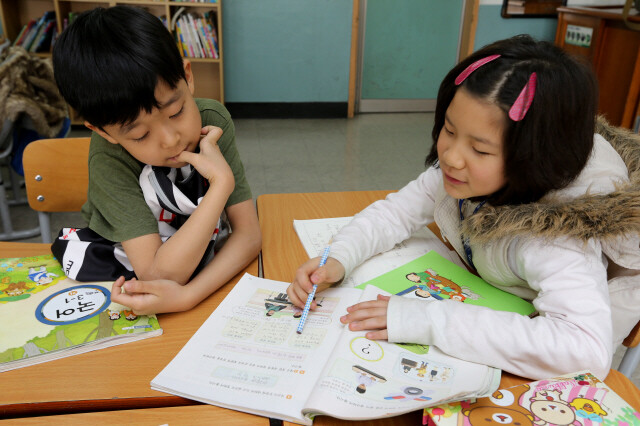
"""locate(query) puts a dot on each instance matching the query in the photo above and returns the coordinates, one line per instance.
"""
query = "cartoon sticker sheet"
(576, 399)
(248, 356)
(365, 377)
(53, 315)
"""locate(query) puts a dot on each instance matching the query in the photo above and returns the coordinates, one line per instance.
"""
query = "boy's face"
(156, 138)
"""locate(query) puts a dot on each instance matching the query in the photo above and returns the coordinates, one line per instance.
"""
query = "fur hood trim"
(605, 216)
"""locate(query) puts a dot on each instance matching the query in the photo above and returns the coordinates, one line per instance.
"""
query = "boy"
(121, 70)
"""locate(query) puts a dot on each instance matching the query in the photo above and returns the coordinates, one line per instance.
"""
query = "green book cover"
(48, 316)
(433, 276)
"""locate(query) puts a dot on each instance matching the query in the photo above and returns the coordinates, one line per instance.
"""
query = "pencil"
(307, 305)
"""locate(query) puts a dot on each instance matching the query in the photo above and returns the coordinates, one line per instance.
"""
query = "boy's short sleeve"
(115, 206)
(213, 113)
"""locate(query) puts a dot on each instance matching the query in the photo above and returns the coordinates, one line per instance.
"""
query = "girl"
(530, 195)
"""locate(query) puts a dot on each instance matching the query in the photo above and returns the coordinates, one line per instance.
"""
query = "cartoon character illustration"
(501, 408)
(16, 289)
(366, 378)
(40, 275)
(422, 370)
(129, 315)
(113, 315)
(433, 373)
(278, 303)
(549, 408)
(408, 364)
(588, 409)
(430, 284)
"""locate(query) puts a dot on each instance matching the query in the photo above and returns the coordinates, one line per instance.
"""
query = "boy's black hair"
(108, 62)
(549, 147)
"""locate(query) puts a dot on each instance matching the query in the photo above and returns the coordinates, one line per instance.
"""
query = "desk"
(282, 253)
(113, 378)
(191, 415)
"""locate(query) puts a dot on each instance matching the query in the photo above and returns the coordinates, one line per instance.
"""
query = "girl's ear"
(188, 73)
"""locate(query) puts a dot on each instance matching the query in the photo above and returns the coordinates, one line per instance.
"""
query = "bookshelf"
(208, 72)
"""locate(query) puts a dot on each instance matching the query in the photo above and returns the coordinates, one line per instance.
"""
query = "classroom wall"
(286, 50)
(409, 46)
(293, 51)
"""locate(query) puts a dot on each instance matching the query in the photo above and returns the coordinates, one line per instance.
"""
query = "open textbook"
(247, 356)
(46, 316)
(577, 399)
(315, 234)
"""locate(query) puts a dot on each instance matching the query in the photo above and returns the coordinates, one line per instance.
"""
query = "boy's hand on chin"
(150, 297)
(210, 162)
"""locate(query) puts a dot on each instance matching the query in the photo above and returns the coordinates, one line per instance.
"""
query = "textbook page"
(315, 234)
(367, 379)
(248, 357)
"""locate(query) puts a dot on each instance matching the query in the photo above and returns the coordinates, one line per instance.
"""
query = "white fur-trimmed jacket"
(555, 252)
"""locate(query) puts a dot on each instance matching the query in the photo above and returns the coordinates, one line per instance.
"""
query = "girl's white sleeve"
(573, 331)
(387, 222)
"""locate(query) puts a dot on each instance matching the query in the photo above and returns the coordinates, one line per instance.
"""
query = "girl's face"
(470, 147)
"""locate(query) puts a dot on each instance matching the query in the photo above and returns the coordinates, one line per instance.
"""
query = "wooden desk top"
(191, 415)
(282, 253)
(107, 379)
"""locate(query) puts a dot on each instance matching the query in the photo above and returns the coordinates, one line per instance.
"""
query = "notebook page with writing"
(316, 233)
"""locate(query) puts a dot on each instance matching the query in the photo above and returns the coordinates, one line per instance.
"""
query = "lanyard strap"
(465, 241)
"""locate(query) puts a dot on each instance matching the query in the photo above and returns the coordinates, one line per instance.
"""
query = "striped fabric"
(172, 195)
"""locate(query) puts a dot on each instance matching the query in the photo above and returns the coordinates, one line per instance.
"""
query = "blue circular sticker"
(73, 304)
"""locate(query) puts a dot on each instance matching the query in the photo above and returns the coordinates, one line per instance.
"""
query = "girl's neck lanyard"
(465, 241)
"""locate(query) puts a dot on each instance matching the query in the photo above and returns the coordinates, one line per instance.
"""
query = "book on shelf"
(23, 32)
(247, 356)
(47, 316)
(195, 34)
(33, 33)
(577, 399)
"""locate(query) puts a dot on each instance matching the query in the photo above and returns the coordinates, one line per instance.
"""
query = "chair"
(631, 357)
(56, 177)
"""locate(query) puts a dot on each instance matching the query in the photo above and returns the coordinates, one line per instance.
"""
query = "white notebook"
(315, 234)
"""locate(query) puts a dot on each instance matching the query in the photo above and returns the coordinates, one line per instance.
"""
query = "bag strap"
(625, 16)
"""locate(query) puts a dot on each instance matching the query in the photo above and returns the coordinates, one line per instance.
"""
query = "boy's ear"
(188, 73)
(100, 132)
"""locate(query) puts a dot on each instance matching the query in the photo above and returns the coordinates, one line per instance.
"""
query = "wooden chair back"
(56, 174)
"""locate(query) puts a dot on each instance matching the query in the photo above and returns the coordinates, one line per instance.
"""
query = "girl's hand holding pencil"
(310, 274)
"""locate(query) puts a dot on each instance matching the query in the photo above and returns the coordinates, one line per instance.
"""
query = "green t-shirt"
(115, 206)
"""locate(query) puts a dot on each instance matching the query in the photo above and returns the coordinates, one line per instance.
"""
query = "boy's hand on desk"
(150, 297)
(309, 274)
(210, 162)
(370, 315)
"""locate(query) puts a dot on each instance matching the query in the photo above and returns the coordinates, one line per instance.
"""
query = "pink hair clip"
(474, 66)
(520, 107)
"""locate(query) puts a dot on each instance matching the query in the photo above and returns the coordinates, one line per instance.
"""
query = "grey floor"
(370, 151)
